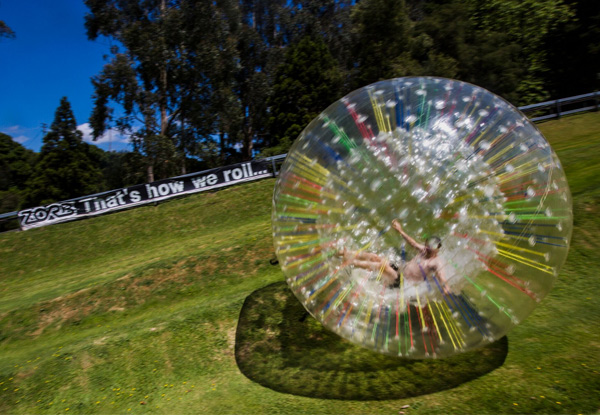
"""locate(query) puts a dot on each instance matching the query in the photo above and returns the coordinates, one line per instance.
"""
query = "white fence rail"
(564, 106)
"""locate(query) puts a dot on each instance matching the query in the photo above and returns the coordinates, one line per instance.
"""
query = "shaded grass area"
(136, 312)
(281, 347)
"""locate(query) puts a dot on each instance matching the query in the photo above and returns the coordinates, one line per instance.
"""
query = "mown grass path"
(136, 312)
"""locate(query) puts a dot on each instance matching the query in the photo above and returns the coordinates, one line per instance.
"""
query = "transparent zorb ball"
(452, 163)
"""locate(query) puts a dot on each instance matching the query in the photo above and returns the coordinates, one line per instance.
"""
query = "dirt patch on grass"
(126, 292)
(86, 362)
(588, 241)
(243, 260)
(158, 283)
(231, 341)
(25, 374)
(59, 311)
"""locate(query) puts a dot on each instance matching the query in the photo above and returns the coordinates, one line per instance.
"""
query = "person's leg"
(368, 265)
(388, 274)
(391, 276)
(369, 256)
(359, 255)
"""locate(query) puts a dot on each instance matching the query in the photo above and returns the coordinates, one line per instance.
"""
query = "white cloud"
(110, 136)
(21, 139)
(12, 129)
(18, 133)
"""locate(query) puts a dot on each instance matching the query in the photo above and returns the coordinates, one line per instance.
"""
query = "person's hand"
(396, 225)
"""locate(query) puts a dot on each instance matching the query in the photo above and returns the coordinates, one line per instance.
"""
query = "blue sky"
(50, 57)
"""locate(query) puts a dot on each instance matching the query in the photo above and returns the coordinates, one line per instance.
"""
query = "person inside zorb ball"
(421, 217)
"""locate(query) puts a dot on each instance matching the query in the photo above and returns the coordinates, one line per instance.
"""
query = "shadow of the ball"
(280, 347)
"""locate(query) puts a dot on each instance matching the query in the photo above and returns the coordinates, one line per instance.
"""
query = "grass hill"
(137, 312)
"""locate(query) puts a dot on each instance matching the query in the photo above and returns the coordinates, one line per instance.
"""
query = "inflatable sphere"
(421, 217)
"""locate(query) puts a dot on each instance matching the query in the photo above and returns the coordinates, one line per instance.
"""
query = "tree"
(65, 169)
(306, 83)
(381, 35)
(6, 31)
(119, 168)
(161, 77)
(260, 43)
(16, 166)
(458, 48)
(526, 24)
(328, 20)
(574, 52)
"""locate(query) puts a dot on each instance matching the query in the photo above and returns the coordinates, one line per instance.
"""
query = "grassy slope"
(137, 311)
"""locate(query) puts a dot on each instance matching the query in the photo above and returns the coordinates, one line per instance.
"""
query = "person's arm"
(396, 225)
(440, 271)
(440, 274)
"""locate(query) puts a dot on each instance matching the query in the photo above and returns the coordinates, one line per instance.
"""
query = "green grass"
(137, 312)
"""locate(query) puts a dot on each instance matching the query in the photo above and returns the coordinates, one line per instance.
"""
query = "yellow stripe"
(294, 249)
(365, 246)
(420, 311)
(302, 171)
(377, 112)
(434, 320)
(370, 308)
(294, 239)
(344, 294)
(320, 290)
(503, 178)
(314, 164)
(381, 269)
(309, 258)
(523, 260)
(500, 153)
(516, 160)
(308, 276)
(509, 246)
(486, 131)
(389, 124)
(402, 286)
(500, 138)
(457, 332)
(445, 325)
(504, 236)
(307, 171)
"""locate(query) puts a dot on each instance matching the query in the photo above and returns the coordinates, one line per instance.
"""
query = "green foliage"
(382, 33)
(160, 76)
(499, 45)
(306, 83)
(6, 31)
(205, 80)
(574, 52)
(119, 168)
(328, 20)
(388, 43)
(16, 166)
(65, 168)
(526, 24)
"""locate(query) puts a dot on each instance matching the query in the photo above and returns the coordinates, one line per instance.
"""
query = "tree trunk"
(164, 119)
(150, 173)
(222, 145)
(247, 144)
